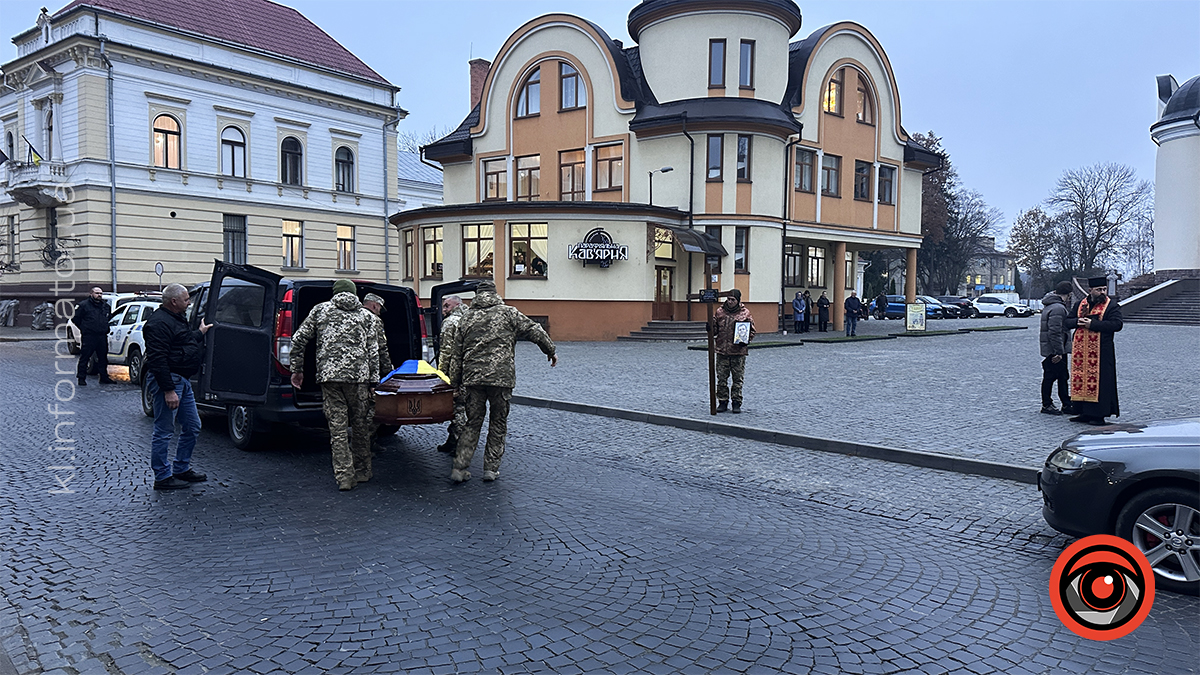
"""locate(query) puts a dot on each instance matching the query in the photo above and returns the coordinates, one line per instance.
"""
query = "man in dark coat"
(1055, 345)
(823, 304)
(881, 303)
(1093, 358)
(854, 308)
(91, 318)
(173, 355)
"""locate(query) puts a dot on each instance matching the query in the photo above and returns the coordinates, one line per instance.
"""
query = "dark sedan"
(1140, 482)
(965, 309)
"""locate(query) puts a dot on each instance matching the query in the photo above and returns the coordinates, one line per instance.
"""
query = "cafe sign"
(597, 248)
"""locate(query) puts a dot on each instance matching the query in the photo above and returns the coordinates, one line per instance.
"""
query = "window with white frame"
(291, 161)
(479, 257)
(574, 94)
(293, 243)
(166, 142)
(610, 167)
(233, 152)
(343, 165)
(233, 235)
(345, 248)
(529, 100)
(495, 179)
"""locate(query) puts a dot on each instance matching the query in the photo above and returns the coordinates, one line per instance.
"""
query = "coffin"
(413, 399)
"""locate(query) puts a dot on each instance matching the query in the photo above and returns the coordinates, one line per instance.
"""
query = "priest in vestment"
(1096, 318)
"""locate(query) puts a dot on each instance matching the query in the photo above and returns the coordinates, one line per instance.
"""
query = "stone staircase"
(668, 331)
(1182, 309)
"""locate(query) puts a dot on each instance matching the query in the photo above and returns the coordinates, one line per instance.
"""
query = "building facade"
(142, 132)
(716, 134)
(1176, 180)
(991, 271)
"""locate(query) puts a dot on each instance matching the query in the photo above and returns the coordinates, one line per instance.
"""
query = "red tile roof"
(259, 24)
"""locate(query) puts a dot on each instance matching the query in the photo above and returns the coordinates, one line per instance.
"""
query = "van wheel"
(147, 399)
(135, 364)
(241, 426)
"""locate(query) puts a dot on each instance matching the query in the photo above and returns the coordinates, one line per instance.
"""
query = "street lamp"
(665, 169)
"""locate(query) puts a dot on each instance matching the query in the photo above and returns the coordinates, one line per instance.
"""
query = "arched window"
(529, 101)
(49, 140)
(291, 162)
(343, 161)
(866, 105)
(10, 149)
(831, 102)
(574, 94)
(166, 142)
(233, 152)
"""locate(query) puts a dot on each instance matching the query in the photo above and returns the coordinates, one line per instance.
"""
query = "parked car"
(115, 301)
(1140, 482)
(896, 308)
(987, 305)
(246, 369)
(936, 310)
(966, 310)
(125, 342)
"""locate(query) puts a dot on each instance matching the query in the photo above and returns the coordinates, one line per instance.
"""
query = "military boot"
(460, 475)
(737, 406)
(722, 406)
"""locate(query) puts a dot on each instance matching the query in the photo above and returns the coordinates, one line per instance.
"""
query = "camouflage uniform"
(482, 361)
(449, 333)
(351, 354)
(731, 358)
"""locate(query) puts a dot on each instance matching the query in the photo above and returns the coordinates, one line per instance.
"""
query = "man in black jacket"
(91, 318)
(173, 355)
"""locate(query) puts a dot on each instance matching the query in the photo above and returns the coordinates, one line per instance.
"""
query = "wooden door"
(664, 286)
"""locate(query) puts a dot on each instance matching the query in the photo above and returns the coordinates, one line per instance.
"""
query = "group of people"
(1088, 388)
(804, 308)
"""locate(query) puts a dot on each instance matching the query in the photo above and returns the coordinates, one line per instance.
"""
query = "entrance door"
(664, 307)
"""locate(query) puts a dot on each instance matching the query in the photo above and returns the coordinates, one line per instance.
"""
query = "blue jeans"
(164, 428)
(851, 324)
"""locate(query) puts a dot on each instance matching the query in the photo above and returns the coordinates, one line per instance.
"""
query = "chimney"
(479, 71)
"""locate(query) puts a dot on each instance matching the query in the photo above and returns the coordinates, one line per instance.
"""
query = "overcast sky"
(1020, 91)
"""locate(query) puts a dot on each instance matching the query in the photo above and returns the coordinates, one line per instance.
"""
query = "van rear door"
(241, 309)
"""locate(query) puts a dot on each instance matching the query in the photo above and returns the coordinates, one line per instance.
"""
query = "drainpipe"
(112, 162)
(387, 226)
(691, 202)
(421, 156)
(787, 193)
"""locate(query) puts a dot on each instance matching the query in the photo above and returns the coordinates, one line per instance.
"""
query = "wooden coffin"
(413, 399)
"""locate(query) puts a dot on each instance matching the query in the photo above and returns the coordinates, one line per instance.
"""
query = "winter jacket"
(724, 323)
(853, 305)
(798, 306)
(91, 318)
(351, 345)
(171, 347)
(1054, 337)
(483, 353)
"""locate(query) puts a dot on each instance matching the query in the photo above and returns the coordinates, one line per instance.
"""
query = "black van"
(246, 371)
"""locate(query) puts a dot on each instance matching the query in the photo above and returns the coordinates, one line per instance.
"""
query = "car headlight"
(1065, 459)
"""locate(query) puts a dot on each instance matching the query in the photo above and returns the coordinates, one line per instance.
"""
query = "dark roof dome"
(1184, 103)
(648, 11)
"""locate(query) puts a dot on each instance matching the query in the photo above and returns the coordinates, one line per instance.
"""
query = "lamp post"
(665, 169)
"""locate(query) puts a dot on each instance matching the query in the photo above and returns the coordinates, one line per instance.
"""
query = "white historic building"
(140, 131)
(1177, 179)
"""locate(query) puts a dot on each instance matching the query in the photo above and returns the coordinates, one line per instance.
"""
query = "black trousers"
(97, 346)
(1055, 372)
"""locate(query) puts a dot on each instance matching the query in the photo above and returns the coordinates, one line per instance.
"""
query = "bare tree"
(411, 141)
(1094, 206)
(1138, 245)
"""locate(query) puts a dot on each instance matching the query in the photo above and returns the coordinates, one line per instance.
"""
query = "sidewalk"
(24, 334)
(972, 395)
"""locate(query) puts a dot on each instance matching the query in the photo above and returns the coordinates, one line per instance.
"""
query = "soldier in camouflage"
(352, 355)
(731, 357)
(453, 310)
(482, 362)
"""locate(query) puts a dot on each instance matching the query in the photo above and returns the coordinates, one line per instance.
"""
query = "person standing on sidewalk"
(173, 355)
(1054, 339)
(453, 310)
(732, 345)
(799, 310)
(823, 304)
(482, 362)
(881, 303)
(854, 308)
(1097, 319)
(91, 318)
(352, 354)
(808, 311)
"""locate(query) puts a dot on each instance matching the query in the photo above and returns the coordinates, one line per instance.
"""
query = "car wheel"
(135, 364)
(1010, 312)
(1164, 524)
(241, 426)
(147, 399)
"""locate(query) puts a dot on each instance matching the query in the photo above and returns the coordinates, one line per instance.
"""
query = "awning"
(696, 241)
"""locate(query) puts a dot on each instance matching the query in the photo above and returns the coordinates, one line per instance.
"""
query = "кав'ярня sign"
(597, 247)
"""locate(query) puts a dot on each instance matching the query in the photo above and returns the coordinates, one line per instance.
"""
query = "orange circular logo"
(1102, 587)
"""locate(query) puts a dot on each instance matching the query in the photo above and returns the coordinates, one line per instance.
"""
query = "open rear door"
(241, 309)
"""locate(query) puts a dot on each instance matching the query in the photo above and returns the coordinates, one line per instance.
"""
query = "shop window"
(431, 237)
(716, 63)
(571, 187)
(862, 180)
(832, 100)
(816, 267)
(528, 178)
(574, 94)
(529, 100)
(716, 149)
(610, 167)
(495, 177)
(831, 170)
(293, 243)
(529, 244)
(479, 242)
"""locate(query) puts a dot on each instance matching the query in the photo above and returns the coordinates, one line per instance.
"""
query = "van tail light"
(283, 335)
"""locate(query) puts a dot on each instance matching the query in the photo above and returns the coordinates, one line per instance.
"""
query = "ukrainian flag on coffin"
(412, 366)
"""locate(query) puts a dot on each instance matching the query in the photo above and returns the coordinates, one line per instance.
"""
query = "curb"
(7, 338)
(856, 338)
(992, 329)
(761, 345)
(929, 460)
(931, 333)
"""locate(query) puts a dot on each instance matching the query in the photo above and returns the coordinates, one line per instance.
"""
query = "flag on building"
(34, 157)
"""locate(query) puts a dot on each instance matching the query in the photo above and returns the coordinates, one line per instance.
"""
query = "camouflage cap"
(486, 285)
(371, 297)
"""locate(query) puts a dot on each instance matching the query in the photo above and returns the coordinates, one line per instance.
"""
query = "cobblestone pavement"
(605, 547)
(972, 394)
